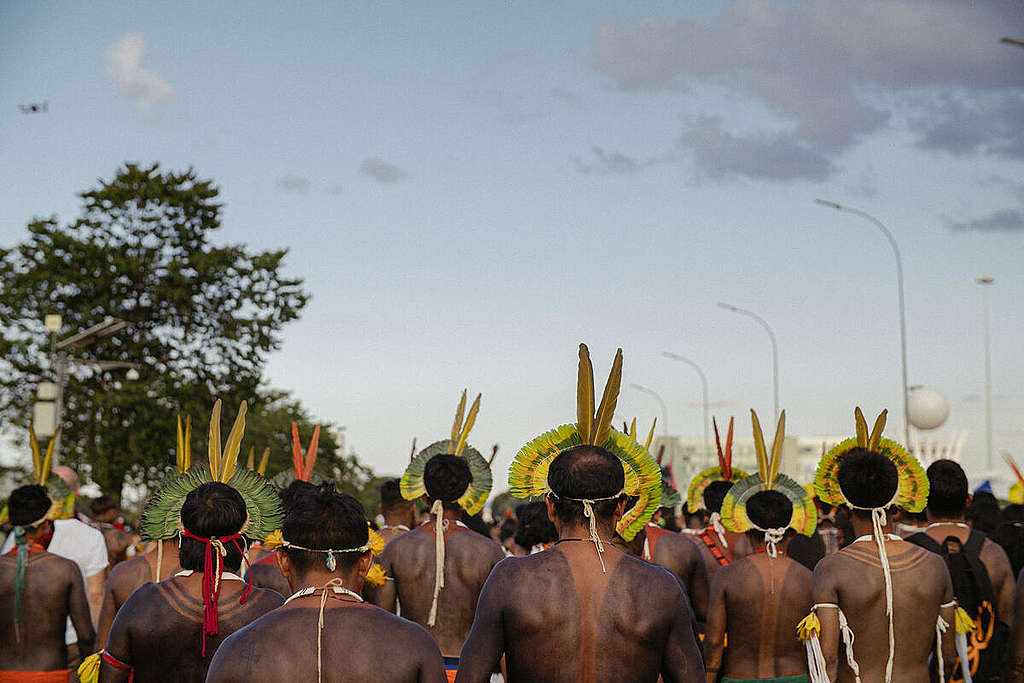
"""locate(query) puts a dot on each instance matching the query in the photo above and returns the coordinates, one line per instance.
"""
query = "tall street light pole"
(983, 281)
(775, 348)
(664, 410)
(704, 389)
(899, 285)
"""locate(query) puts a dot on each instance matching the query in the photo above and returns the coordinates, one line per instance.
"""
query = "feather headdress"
(161, 518)
(481, 481)
(912, 492)
(60, 493)
(528, 475)
(302, 465)
(723, 472)
(734, 508)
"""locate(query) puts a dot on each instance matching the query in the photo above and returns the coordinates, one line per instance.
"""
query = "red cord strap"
(118, 664)
(213, 569)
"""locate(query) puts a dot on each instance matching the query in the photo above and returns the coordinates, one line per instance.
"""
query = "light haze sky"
(471, 189)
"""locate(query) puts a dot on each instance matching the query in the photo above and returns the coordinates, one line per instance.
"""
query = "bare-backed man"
(32, 635)
(410, 560)
(160, 563)
(280, 645)
(982, 564)
(759, 600)
(399, 514)
(158, 634)
(678, 554)
(718, 546)
(558, 616)
(853, 580)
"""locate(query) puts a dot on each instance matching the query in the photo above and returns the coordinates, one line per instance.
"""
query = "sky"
(472, 189)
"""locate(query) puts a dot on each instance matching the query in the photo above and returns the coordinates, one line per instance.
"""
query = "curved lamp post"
(775, 348)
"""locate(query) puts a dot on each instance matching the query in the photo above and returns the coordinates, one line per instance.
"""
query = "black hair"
(295, 490)
(446, 477)
(391, 495)
(1014, 512)
(102, 505)
(668, 519)
(212, 510)
(507, 529)
(325, 519)
(768, 510)
(985, 499)
(983, 517)
(535, 527)
(28, 504)
(585, 472)
(867, 479)
(714, 494)
(1010, 535)
(947, 489)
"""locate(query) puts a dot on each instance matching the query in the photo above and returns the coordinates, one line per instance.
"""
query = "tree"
(203, 318)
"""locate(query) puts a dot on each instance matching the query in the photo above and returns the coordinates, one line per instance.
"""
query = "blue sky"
(471, 189)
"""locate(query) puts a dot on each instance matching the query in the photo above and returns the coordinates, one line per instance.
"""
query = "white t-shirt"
(79, 542)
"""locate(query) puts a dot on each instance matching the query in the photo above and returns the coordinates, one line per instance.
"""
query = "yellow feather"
(251, 464)
(233, 445)
(262, 470)
(759, 448)
(186, 458)
(214, 446)
(585, 395)
(876, 434)
(606, 410)
(181, 446)
(457, 426)
(470, 421)
(650, 435)
(862, 428)
(45, 472)
(780, 438)
(632, 430)
(37, 465)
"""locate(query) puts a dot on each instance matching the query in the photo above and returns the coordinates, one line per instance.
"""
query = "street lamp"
(664, 410)
(704, 389)
(899, 285)
(87, 336)
(775, 348)
(983, 281)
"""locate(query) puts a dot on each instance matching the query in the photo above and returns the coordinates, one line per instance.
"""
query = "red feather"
(727, 470)
(311, 455)
(296, 452)
(1013, 466)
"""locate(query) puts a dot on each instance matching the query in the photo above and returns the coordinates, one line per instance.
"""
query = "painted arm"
(682, 661)
(1015, 657)
(948, 653)
(79, 612)
(118, 668)
(824, 591)
(383, 596)
(94, 593)
(714, 635)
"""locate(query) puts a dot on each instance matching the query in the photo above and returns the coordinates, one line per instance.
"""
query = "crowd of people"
(877, 571)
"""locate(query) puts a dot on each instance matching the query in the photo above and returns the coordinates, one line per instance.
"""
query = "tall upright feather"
(314, 444)
(234, 445)
(759, 447)
(780, 438)
(862, 427)
(262, 469)
(721, 456)
(457, 425)
(214, 446)
(606, 410)
(585, 395)
(1013, 466)
(728, 450)
(297, 464)
(470, 421)
(45, 471)
(251, 462)
(875, 440)
(37, 465)
(650, 435)
(183, 456)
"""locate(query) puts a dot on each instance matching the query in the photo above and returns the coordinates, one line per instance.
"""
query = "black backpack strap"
(975, 541)
(925, 541)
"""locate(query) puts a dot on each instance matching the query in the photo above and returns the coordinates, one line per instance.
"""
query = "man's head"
(28, 505)
(947, 490)
(293, 492)
(768, 510)
(69, 476)
(392, 502)
(103, 509)
(534, 526)
(446, 477)
(324, 520)
(714, 494)
(867, 479)
(586, 473)
(213, 510)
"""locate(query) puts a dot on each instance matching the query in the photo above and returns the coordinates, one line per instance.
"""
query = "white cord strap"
(847, 635)
(716, 523)
(960, 640)
(437, 509)
(334, 586)
(588, 512)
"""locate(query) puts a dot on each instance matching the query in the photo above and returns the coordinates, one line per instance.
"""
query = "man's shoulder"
(655, 575)
(129, 570)
(265, 598)
(75, 528)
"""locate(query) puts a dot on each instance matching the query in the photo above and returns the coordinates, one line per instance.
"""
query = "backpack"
(973, 591)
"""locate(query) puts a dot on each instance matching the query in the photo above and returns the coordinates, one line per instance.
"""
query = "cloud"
(603, 163)
(986, 123)
(293, 183)
(381, 171)
(1007, 220)
(335, 188)
(830, 68)
(124, 67)
(768, 157)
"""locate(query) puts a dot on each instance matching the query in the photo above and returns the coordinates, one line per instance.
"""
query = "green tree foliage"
(203, 319)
